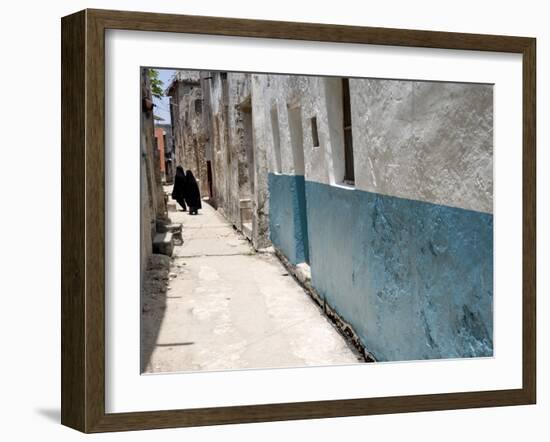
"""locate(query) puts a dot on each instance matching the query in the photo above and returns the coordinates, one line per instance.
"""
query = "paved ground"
(227, 307)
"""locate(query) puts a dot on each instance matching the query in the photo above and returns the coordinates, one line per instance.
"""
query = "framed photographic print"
(268, 220)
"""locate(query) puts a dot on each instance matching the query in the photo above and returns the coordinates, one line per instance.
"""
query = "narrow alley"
(224, 306)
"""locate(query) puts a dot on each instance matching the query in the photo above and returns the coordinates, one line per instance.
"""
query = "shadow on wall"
(153, 305)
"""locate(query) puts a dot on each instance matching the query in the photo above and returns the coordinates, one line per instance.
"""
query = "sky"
(163, 104)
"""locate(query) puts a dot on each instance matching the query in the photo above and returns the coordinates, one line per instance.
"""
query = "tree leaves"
(156, 83)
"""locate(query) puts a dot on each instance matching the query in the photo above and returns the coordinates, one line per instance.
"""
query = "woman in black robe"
(192, 193)
(178, 192)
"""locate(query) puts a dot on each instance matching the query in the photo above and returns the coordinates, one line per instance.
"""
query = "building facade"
(153, 205)
(383, 188)
(160, 141)
(189, 131)
(165, 144)
(236, 158)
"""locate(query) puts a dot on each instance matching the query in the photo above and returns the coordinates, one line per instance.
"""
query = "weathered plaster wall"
(420, 140)
(260, 218)
(236, 147)
(152, 197)
(413, 278)
(217, 139)
(190, 134)
(228, 139)
(425, 140)
(404, 255)
(287, 221)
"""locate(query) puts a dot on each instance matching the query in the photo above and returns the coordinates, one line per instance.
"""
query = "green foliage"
(156, 83)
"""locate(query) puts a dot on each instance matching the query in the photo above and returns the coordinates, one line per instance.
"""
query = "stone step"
(176, 230)
(163, 243)
(164, 225)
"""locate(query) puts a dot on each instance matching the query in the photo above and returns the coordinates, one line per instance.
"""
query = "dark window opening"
(349, 174)
(198, 106)
(314, 132)
(209, 178)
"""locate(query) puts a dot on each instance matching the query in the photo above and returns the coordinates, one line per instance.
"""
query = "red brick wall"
(159, 135)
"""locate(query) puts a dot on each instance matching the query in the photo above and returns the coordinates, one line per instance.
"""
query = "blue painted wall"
(287, 216)
(414, 279)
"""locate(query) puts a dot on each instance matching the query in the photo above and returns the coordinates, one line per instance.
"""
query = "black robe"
(192, 193)
(178, 192)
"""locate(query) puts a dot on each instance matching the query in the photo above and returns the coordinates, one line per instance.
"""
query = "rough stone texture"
(189, 132)
(236, 149)
(428, 141)
(153, 205)
(413, 278)
(425, 141)
(163, 243)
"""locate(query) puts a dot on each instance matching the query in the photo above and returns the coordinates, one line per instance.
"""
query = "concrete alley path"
(227, 307)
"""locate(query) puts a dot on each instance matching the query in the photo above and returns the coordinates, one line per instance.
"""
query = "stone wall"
(153, 205)
(405, 254)
(160, 136)
(169, 168)
(237, 152)
(189, 132)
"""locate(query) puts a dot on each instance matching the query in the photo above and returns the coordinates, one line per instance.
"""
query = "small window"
(198, 106)
(349, 174)
(314, 132)
(223, 75)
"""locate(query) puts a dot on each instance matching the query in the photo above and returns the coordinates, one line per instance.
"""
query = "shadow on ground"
(153, 304)
(51, 414)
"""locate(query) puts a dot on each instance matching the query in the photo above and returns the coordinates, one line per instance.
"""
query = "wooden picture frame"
(83, 220)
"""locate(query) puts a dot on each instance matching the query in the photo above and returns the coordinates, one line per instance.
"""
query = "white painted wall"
(427, 141)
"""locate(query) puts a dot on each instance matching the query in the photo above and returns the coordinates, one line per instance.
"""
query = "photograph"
(301, 220)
